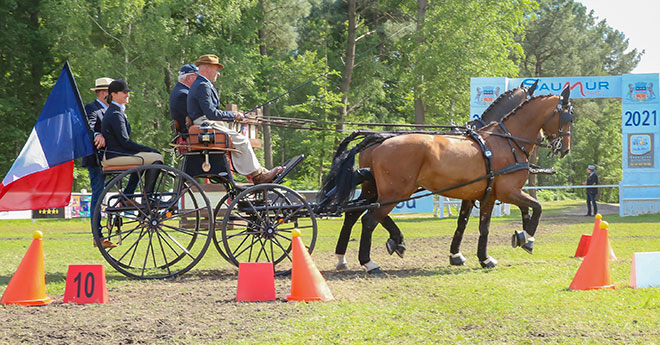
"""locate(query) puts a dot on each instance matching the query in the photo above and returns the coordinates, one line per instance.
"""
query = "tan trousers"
(140, 158)
(245, 162)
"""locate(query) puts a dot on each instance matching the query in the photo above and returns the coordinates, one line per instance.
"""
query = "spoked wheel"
(220, 210)
(258, 223)
(158, 217)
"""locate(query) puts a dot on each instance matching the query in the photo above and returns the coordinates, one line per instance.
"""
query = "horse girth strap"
(506, 170)
(488, 154)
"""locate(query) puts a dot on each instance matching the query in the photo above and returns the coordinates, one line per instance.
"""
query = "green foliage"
(145, 43)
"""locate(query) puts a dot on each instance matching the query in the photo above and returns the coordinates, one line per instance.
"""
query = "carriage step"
(289, 165)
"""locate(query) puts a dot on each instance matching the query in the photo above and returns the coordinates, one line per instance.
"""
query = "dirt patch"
(200, 307)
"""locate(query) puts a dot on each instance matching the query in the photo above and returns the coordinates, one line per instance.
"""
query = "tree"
(565, 40)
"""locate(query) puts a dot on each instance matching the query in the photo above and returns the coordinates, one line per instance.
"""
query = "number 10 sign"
(85, 284)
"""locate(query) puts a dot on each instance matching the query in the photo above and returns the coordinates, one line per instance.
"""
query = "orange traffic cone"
(583, 246)
(28, 285)
(594, 272)
(597, 228)
(585, 240)
(307, 283)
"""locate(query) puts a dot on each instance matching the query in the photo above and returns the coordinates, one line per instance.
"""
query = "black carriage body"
(219, 165)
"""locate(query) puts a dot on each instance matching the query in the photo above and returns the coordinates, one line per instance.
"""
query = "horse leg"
(369, 222)
(350, 218)
(485, 212)
(395, 243)
(524, 212)
(456, 258)
(525, 238)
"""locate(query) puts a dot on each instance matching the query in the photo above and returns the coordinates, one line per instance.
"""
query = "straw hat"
(209, 59)
(102, 84)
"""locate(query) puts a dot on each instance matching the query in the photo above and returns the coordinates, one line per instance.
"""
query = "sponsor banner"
(421, 205)
(640, 150)
(483, 92)
(581, 87)
(639, 88)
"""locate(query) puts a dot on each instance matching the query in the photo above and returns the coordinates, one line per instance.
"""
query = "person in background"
(94, 112)
(202, 107)
(592, 180)
(179, 95)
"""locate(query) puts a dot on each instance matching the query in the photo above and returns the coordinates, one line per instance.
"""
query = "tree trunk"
(268, 143)
(349, 64)
(420, 112)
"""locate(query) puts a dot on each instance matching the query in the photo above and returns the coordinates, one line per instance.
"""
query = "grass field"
(420, 300)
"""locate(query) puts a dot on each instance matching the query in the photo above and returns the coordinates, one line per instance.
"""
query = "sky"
(638, 20)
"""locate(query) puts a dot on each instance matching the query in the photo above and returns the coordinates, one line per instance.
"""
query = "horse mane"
(513, 112)
(505, 96)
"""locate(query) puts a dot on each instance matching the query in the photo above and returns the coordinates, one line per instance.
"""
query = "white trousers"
(245, 161)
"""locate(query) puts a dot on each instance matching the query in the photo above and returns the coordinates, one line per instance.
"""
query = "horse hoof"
(488, 263)
(341, 267)
(457, 259)
(390, 245)
(517, 239)
(393, 247)
(375, 271)
(529, 245)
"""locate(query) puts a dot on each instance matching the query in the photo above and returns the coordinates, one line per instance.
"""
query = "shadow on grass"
(399, 273)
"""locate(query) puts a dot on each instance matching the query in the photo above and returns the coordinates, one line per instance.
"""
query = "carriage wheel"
(219, 212)
(161, 230)
(258, 223)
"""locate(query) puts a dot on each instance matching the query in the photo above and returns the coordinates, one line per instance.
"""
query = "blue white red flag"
(42, 174)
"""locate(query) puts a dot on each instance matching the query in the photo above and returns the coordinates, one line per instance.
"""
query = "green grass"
(422, 299)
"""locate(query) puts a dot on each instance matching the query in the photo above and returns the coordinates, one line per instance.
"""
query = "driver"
(202, 106)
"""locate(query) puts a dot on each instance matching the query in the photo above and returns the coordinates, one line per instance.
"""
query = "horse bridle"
(565, 116)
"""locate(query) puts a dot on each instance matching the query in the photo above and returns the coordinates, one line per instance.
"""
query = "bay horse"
(457, 167)
(503, 105)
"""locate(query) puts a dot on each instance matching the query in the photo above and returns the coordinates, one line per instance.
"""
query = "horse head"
(557, 127)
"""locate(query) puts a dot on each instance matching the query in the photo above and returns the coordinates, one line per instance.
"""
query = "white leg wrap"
(528, 237)
(457, 255)
(489, 260)
(369, 266)
(342, 264)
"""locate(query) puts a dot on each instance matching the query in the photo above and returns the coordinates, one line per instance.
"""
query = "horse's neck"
(527, 121)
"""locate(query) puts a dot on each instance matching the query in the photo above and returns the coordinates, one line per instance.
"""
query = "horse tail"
(342, 177)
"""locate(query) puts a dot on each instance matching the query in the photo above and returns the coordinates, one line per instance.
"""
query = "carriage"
(164, 227)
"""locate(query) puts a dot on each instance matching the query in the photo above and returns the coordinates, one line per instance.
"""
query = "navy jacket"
(178, 105)
(203, 101)
(94, 112)
(592, 180)
(117, 131)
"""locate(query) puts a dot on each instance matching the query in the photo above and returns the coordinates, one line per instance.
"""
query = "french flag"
(42, 174)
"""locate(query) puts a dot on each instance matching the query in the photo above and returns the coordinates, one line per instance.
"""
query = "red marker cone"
(256, 282)
(307, 283)
(594, 272)
(28, 285)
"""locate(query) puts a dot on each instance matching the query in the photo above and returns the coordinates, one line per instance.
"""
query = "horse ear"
(530, 91)
(565, 95)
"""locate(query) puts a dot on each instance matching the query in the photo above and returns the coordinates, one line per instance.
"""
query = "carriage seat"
(206, 138)
(111, 169)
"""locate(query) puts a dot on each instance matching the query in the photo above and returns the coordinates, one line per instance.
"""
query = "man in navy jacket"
(202, 107)
(592, 180)
(94, 112)
(179, 95)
